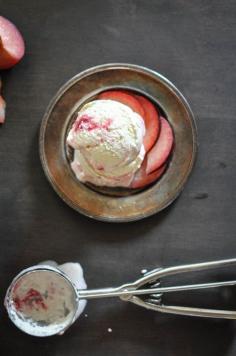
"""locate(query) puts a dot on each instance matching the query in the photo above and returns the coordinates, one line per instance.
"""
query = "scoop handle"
(156, 274)
(126, 294)
(187, 311)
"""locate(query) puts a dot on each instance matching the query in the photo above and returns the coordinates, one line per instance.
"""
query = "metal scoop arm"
(153, 302)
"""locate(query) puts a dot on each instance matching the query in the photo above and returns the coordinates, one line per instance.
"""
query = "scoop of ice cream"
(108, 140)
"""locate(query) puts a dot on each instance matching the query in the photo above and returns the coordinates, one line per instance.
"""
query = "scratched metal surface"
(192, 44)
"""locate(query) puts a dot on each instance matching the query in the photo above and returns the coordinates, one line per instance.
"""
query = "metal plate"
(60, 114)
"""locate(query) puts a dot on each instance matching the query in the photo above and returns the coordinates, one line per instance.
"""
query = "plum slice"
(142, 179)
(123, 98)
(12, 47)
(2, 106)
(162, 148)
(151, 119)
(2, 110)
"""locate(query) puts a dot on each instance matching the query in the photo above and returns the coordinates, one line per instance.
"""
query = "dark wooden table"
(194, 45)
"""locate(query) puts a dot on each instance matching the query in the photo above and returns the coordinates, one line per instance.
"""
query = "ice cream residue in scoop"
(44, 303)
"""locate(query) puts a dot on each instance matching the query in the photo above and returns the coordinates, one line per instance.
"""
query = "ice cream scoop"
(107, 137)
(43, 301)
(44, 304)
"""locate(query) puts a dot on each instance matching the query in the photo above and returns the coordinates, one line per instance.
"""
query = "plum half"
(12, 46)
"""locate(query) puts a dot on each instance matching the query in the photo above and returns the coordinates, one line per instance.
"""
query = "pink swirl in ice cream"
(107, 137)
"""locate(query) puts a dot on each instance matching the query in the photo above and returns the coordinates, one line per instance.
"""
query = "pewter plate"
(120, 205)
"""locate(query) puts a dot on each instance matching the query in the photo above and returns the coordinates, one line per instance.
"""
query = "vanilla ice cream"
(108, 140)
